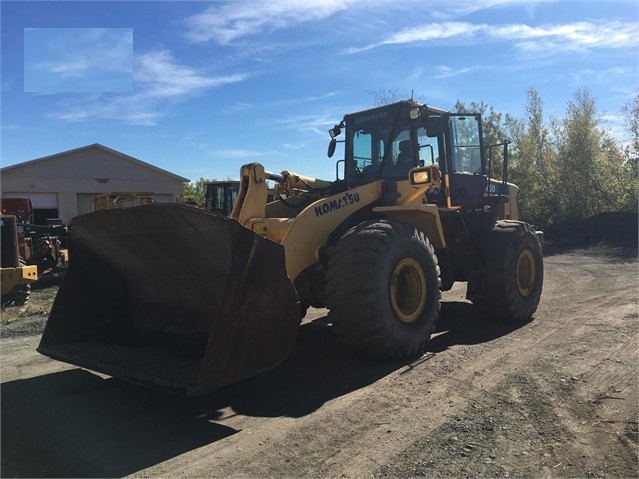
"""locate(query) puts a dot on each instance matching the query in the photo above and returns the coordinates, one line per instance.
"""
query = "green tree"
(630, 114)
(615, 185)
(195, 190)
(533, 163)
(577, 144)
(590, 163)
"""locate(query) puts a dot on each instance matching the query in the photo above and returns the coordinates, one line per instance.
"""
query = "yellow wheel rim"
(526, 272)
(408, 290)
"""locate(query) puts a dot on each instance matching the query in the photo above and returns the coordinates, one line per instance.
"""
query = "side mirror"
(331, 148)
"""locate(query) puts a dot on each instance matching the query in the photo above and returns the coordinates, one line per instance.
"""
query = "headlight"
(420, 177)
(424, 175)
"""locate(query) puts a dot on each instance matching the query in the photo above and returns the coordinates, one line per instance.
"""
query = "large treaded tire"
(383, 289)
(514, 275)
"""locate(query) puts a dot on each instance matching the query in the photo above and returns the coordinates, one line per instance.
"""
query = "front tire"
(514, 273)
(383, 289)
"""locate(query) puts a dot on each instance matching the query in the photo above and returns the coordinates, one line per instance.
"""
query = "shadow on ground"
(460, 324)
(77, 424)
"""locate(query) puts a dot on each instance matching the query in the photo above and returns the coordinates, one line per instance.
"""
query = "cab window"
(466, 147)
(428, 148)
(368, 151)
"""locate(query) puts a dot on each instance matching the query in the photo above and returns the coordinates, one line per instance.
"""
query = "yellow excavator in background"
(181, 298)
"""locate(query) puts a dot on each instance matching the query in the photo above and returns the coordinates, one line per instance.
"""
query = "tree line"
(566, 168)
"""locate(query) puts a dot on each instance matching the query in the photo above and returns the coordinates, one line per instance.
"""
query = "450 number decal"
(332, 205)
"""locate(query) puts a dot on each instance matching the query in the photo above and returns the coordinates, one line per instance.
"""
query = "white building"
(62, 185)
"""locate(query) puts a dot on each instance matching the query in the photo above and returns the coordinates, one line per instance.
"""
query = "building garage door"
(84, 202)
(45, 205)
(40, 201)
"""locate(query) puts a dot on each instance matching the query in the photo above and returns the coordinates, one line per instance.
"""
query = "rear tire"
(383, 289)
(514, 275)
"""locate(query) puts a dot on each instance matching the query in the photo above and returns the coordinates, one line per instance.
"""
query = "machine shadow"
(460, 324)
(319, 369)
(77, 424)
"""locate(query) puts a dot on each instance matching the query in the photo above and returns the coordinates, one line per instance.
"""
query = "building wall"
(86, 171)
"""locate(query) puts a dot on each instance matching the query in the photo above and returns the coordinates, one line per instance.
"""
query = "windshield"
(376, 136)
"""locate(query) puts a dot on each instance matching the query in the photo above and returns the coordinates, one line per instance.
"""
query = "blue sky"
(200, 88)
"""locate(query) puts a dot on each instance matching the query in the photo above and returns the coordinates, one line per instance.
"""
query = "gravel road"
(554, 397)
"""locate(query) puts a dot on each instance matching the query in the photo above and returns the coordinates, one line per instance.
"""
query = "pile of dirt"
(619, 228)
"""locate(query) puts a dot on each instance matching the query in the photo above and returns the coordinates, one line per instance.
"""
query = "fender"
(423, 217)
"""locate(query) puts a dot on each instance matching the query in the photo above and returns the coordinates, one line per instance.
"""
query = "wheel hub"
(526, 272)
(408, 290)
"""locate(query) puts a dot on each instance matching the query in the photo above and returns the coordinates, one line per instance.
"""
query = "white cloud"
(424, 33)
(230, 21)
(63, 68)
(73, 51)
(545, 39)
(162, 77)
(444, 71)
(158, 80)
(603, 76)
(293, 146)
(569, 37)
(433, 31)
(446, 9)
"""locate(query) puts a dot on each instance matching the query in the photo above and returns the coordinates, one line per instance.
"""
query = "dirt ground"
(555, 397)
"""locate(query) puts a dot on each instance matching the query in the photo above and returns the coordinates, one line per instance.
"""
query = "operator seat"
(404, 159)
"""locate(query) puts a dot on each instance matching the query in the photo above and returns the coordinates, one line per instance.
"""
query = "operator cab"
(385, 143)
(221, 196)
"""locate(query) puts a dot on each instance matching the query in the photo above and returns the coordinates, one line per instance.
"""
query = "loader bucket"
(172, 297)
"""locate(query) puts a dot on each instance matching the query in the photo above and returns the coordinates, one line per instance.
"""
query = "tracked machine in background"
(181, 298)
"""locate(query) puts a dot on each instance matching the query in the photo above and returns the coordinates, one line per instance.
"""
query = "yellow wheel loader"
(16, 276)
(185, 299)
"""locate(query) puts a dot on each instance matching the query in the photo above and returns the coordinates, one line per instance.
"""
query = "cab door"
(468, 181)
